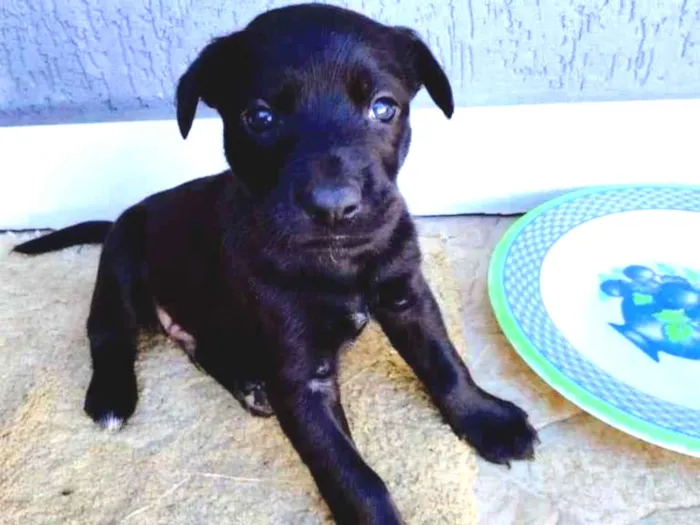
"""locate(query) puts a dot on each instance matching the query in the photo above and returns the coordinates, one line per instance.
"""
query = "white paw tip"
(323, 386)
(111, 422)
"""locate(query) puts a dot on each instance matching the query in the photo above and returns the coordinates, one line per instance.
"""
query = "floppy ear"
(207, 79)
(427, 70)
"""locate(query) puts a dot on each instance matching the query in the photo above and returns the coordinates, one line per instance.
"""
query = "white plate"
(599, 292)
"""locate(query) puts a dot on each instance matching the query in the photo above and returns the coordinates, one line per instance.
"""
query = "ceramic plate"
(599, 292)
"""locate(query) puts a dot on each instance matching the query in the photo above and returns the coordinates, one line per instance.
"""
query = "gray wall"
(78, 60)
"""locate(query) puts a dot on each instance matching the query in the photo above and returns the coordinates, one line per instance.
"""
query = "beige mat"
(190, 454)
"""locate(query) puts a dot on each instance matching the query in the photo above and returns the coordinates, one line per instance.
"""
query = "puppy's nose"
(331, 204)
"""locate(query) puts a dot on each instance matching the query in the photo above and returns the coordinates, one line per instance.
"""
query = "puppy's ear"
(426, 69)
(208, 78)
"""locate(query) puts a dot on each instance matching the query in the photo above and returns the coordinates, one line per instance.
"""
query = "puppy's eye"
(383, 109)
(260, 119)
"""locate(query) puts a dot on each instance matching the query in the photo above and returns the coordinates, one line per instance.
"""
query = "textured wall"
(76, 60)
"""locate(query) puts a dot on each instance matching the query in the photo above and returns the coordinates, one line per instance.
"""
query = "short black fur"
(269, 269)
(93, 232)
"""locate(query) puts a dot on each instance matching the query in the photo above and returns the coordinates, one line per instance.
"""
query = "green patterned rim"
(570, 389)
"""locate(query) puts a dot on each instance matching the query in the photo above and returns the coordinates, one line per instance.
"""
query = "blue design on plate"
(660, 309)
(521, 282)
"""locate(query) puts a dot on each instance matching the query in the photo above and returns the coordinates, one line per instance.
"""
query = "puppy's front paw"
(111, 400)
(499, 431)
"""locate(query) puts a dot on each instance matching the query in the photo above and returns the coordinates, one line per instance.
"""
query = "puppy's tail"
(92, 232)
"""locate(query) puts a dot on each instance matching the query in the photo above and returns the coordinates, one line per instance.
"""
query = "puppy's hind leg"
(215, 358)
(112, 326)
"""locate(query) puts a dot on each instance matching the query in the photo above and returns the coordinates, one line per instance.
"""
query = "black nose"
(331, 204)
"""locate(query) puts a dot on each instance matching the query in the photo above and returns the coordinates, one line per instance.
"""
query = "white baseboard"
(485, 160)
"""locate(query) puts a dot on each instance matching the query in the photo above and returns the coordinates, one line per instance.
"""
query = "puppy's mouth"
(335, 242)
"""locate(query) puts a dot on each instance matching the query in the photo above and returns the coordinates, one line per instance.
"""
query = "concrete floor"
(585, 471)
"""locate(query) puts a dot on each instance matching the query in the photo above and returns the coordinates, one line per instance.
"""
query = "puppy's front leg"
(306, 400)
(409, 315)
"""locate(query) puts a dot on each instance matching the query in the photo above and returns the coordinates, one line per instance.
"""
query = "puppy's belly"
(176, 332)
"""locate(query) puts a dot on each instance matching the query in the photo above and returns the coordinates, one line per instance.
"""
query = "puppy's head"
(315, 103)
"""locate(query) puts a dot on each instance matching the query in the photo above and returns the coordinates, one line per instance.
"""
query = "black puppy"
(264, 272)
